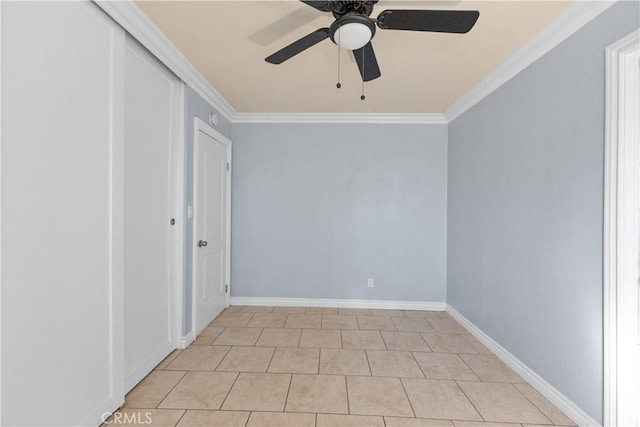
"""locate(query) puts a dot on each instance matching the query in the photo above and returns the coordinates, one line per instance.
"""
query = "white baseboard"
(144, 369)
(342, 303)
(186, 340)
(563, 403)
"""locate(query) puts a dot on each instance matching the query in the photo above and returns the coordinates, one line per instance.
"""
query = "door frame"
(621, 204)
(201, 126)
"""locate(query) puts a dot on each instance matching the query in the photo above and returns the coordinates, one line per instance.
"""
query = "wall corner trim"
(186, 340)
(135, 22)
(340, 303)
(554, 396)
(578, 14)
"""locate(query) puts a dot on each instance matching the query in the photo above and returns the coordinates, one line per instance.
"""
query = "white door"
(151, 93)
(211, 224)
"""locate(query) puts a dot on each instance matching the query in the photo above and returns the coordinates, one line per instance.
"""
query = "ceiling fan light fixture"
(352, 36)
(352, 32)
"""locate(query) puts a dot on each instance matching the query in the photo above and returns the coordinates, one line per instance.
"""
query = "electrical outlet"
(370, 283)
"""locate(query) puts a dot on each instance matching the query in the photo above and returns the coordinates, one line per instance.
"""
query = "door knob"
(202, 243)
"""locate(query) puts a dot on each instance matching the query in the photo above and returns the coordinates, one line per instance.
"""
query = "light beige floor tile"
(295, 361)
(318, 393)
(211, 331)
(168, 359)
(258, 392)
(197, 418)
(477, 345)
(281, 419)
(333, 420)
(446, 325)
(502, 403)
(416, 422)
(483, 424)
(333, 321)
(147, 417)
(376, 323)
(200, 340)
(200, 390)
(364, 340)
(343, 362)
(411, 324)
(444, 366)
(257, 309)
(325, 338)
(377, 396)
(152, 389)
(540, 425)
(423, 314)
(293, 310)
(198, 358)
(440, 400)
(305, 321)
(448, 343)
(385, 312)
(547, 408)
(393, 364)
(235, 319)
(238, 336)
(246, 359)
(276, 337)
(268, 320)
(234, 308)
(321, 310)
(408, 341)
(361, 311)
(490, 368)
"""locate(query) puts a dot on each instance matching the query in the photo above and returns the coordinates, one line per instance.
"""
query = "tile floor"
(281, 366)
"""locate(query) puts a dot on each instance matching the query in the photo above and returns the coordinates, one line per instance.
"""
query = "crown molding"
(368, 118)
(135, 22)
(559, 29)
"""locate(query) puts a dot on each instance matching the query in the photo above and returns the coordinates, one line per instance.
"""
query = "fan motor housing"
(343, 7)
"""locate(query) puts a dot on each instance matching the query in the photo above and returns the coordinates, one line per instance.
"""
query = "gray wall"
(525, 211)
(317, 209)
(195, 107)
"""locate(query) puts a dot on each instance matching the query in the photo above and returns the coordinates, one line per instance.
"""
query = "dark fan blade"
(367, 62)
(298, 46)
(441, 21)
(321, 5)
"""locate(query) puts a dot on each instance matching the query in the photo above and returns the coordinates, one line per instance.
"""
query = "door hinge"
(226, 289)
(228, 166)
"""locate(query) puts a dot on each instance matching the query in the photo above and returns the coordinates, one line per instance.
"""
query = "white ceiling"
(227, 42)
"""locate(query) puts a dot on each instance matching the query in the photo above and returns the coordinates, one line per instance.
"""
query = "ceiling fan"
(353, 29)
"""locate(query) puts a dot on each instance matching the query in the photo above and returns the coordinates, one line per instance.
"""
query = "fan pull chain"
(338, 85)
(362, 97)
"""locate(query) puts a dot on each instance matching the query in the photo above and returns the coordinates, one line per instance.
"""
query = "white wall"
(61, 215)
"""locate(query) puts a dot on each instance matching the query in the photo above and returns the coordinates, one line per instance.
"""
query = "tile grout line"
(170, 390)
(286, 399)
(533, 403)
(184, 412)
(408, 398)
(229, 392)
(273, 353)
(472, 404)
